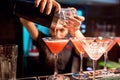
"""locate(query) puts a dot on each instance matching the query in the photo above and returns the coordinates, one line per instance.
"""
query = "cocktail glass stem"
(55, 65)
(81, 67)
(94, 65)
(105, 61)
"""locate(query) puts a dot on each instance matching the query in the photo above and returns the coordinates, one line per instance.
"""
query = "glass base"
(81, 76)
(106, 73)
(58, 77)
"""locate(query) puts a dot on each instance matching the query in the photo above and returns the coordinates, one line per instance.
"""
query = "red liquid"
(118, 41)
(56, 45)
(78, 46)
(111, 45)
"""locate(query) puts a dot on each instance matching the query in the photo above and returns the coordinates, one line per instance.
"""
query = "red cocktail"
(118, 40)
(78, 45)
(76, 42)
(56, 45)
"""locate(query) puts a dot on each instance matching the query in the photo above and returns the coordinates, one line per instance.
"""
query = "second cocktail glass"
(80, 75)
(56, 46)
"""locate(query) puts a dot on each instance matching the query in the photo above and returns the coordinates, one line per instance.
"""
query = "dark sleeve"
(46, 57)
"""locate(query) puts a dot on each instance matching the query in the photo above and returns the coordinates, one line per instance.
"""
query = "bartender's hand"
(73, 24)
(47, 5)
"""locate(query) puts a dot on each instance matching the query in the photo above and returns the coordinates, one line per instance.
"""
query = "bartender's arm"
(30, 26)
(43, 5)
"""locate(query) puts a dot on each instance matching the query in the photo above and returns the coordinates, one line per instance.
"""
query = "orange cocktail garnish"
(56, 45)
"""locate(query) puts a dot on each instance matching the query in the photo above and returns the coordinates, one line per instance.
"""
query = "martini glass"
(56, 46)
(109, 43)
(80, 75)
(94, 49)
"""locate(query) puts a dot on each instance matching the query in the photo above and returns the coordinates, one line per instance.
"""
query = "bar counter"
(114, 76)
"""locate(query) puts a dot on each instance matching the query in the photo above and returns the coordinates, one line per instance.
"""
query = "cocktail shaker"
(26, 9)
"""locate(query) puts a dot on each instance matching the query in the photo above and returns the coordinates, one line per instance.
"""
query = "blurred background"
(102, 18)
